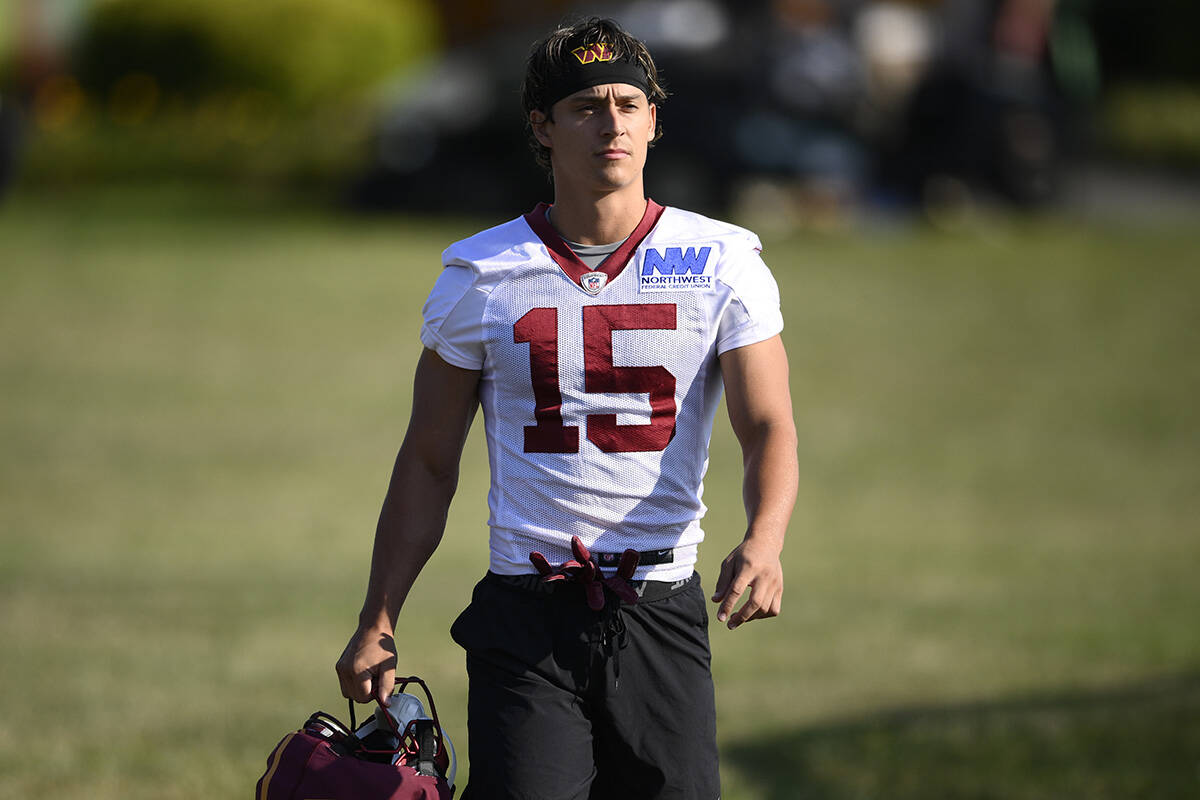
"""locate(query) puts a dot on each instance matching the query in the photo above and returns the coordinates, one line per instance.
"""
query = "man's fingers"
(760, 604)
(355, 687)
(731, 598)
(368, 670)
(722, 582)
(367, 685)
(385, 682)
(747, 611)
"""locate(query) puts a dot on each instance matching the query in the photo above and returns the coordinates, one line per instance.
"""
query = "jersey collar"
(565, 257)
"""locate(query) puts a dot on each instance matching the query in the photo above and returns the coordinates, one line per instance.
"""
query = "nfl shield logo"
(593, 282)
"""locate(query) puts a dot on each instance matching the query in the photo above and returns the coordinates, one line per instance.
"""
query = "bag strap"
(401, 685)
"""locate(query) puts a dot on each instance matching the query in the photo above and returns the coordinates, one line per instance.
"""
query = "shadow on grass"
(1131, 741)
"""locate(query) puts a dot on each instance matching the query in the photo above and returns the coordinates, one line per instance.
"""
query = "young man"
(596, 334)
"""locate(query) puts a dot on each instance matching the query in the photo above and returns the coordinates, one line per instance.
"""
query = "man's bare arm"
(760, 411)
(412, 520)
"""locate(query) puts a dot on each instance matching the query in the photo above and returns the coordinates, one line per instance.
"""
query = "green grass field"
(991, 572)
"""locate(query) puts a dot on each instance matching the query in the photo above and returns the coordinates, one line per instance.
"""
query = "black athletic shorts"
(567, 703)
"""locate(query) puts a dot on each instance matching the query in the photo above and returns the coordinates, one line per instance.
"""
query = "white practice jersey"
(599, 387)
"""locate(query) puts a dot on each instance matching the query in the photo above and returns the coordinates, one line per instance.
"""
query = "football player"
(596, 333)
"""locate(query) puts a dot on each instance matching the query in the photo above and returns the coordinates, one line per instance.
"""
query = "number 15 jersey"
(599, 387)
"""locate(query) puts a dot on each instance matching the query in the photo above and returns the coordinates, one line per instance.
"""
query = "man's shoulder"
(678, 227)
(494, 248)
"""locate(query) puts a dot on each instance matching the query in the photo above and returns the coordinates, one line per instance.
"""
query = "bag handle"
(401, 685)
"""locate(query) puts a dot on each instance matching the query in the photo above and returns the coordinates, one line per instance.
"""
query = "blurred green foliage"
(302, 53)
(228, 137)
(279, 90)
(1158, 123)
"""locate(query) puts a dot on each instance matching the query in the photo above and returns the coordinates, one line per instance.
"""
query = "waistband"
(647, 591)
(510, 549)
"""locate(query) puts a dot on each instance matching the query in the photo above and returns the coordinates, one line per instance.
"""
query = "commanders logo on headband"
(593, 52)
(594, 64)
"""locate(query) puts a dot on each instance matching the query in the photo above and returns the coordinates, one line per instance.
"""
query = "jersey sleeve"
(453, 326)
(752, 314)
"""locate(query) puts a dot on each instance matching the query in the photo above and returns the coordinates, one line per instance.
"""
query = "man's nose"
(614, 124)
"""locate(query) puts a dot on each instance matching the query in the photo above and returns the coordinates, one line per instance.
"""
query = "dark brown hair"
(549, 57)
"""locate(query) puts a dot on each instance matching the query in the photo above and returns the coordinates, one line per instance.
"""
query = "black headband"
(593, 65)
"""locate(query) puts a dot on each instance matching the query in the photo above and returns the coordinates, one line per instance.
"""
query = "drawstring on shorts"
(613, 638)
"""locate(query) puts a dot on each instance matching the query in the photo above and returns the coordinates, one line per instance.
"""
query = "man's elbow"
(776, 436)
(431, 470)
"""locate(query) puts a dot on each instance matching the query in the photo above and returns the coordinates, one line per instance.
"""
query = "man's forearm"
(754, 568)
(771, 475)
(412, 520)
(410, 527)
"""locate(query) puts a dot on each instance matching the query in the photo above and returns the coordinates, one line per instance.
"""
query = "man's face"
(598, 136)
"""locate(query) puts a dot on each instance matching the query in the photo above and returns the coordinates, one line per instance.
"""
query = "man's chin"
(617, 176)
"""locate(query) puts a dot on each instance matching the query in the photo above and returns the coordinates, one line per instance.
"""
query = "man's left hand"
(755, 566)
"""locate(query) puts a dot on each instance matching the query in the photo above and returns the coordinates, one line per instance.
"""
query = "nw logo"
(593, 52)
(676, 270)
(675, 261)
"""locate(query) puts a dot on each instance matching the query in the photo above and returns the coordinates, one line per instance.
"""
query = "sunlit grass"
(203, 396)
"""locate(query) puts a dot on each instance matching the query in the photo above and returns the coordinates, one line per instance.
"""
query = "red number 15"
(539, 328)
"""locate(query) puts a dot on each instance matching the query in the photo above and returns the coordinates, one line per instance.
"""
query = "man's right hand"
(367, 668)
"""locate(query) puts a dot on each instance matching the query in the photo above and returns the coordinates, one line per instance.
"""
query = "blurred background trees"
(397, 103)
(214, 89)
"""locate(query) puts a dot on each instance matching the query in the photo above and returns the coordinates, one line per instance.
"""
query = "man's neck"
(600, 219)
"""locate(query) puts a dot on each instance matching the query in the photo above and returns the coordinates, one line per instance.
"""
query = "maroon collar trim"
(565, 257)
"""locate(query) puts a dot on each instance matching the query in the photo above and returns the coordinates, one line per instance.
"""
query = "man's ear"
(537, 122)
(653, 119)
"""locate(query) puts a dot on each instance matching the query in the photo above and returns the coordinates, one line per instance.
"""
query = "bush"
(269, 91)
(303, 53)
(1155, 123)
(228, 139)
